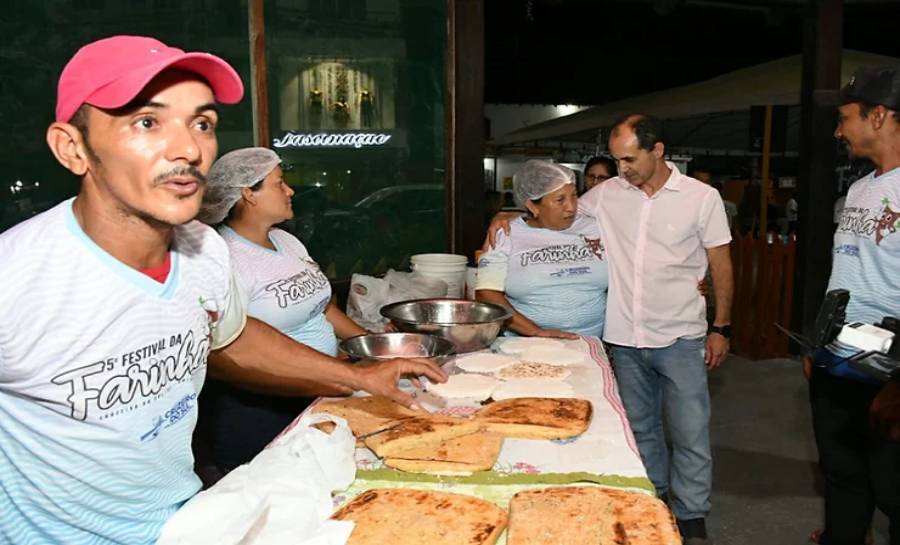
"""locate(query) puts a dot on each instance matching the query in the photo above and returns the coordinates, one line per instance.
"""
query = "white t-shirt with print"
(557, 279)
(100, 368)
(867, 254)
(285, 287)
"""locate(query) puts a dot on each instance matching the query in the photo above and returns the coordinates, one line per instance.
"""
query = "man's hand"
(381, 378)
(807, 366)
(716, 350)
(500, 221)
(884, 414)
(554, 334)
(702, 287)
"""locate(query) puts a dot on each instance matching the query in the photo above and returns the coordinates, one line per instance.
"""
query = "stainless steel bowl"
(469, 325)
(382, 346)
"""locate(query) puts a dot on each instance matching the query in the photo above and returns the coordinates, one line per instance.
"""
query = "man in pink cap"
(114, 299)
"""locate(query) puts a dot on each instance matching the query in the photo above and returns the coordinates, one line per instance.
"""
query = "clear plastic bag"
(368, 294)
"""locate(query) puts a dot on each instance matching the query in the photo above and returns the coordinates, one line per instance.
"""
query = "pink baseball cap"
(110, 72)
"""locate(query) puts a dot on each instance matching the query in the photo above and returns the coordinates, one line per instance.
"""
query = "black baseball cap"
(869, 84)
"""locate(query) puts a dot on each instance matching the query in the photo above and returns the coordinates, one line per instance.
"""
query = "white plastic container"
(450, 268)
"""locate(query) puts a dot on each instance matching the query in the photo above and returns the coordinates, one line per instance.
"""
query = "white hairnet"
(232, 172)
(538, 178)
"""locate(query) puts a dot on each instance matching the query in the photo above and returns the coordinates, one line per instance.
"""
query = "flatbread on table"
(404, 516)
(526, 387)
(423, 431)
(553, 356)
(461, 455)
(485, 362)
(465, 386)
(536, 417)
(533, 370)
(516, 345)
(367, 415)
(588, 515)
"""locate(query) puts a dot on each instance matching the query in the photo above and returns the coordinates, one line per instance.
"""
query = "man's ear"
(67, 144)
(877, 116)
(248, 195)
(659, 150)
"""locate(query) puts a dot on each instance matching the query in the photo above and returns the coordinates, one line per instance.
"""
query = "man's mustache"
(181, 172)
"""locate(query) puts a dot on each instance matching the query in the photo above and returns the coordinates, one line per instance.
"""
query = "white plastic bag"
(282, 496)
(368, 294)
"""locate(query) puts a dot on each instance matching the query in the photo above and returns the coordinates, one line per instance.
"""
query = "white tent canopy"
(775, 82)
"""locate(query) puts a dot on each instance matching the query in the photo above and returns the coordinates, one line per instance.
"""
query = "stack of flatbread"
(444, 445)
(587, 515)
(536, 417)
(404, 516)
(415, 441)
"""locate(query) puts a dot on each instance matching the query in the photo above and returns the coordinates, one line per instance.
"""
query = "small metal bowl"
(469, 325)
(383, 346)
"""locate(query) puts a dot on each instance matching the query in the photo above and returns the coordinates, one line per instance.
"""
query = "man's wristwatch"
(723, 330)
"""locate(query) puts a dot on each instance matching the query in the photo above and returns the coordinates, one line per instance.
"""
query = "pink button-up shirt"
(657, 254)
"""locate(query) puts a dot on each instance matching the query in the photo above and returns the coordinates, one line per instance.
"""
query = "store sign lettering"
(357, 140)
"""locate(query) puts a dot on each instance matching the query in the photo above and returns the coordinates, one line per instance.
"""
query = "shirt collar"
(674, 181)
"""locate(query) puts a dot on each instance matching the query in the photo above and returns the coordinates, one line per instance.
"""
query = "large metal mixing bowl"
(382, 346)
(469, 325)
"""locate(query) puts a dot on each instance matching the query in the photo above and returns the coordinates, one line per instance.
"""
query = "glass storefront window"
(39, 37)
(356, 91)
(356, 98)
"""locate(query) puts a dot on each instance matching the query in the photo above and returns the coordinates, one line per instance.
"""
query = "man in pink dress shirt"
(663, 229)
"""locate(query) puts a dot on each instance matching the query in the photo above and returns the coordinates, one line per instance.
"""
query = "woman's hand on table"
(381, 378)
(500, 221)
(554, 334)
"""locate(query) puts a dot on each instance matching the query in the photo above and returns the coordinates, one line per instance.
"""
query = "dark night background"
(595, 51)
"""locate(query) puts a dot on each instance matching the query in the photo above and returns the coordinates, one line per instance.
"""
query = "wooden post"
(259, 74)
(465, 125)
(764, 189)
(817, 187)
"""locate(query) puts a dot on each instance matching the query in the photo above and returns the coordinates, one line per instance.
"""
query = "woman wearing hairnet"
(551, 268)
(246, 197)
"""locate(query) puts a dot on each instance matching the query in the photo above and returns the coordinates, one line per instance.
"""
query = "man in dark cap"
(861, 465)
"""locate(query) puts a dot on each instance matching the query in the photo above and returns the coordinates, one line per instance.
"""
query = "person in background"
(493, 203)
(731, 209)
(861, 467)
(117, 305)
(509, 203)
(551, 268)
(839, 204)
(702, 175)
(246, 198)
(597, 170)
(791, 210)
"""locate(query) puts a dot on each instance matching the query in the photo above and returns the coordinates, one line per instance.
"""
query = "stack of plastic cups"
(450, 268)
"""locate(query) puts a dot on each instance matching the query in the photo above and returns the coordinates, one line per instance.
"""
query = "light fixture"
(18, 183)
(348, 172)
(324, 174)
